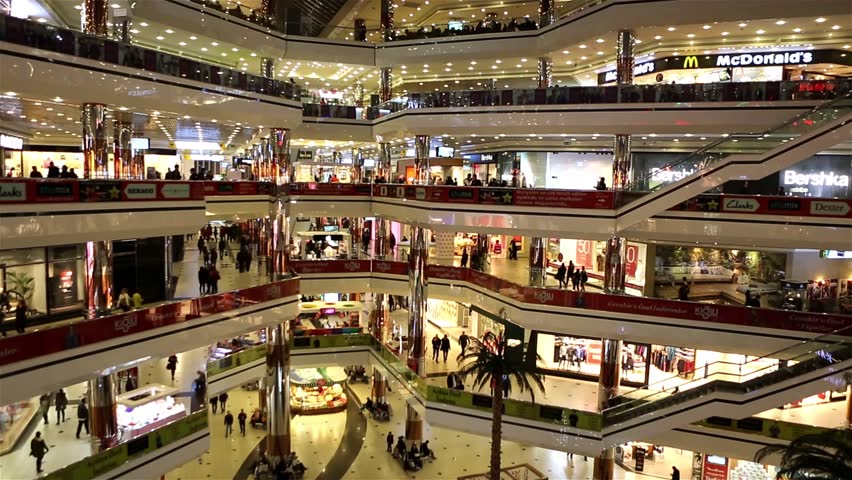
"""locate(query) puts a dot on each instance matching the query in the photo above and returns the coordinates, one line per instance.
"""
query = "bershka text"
(746, 59)
(792, 177)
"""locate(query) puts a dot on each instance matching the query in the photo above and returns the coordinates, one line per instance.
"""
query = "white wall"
(807, 265)
(577, 171)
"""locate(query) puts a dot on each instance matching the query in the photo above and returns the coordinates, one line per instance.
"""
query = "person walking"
(445, 346)
(223, 399)
(569, 275)
(229, 424)
(575, 280)
(35, 173)
(214, 279)
(137, 300)
(223, 245)
(436, 347)
(464, 257)
(683, 290)
(241, 418)
(38, 447)
(44, 406)
(560, 275)
(214, 402)
(171, 365)
(61, 403)
(21, 316)
(82, 417)
(203, 278)
(675, 473)
(584, 277)
(214, 257)
(389, 439)
(463, 341)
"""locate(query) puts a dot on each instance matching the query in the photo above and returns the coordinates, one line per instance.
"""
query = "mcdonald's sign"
(690, 62)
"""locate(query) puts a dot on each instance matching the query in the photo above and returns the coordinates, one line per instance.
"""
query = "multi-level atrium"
(253, 238)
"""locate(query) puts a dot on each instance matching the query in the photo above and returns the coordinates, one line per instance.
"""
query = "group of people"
(126, 302)
(483, 26)
(577, 276)
(38, 445)
(379, 410)
(229, 420)
(288, 468)
(411, 458)
(54, 172)
(440, 345)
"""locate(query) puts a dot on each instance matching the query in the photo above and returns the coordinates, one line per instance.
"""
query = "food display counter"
(146, 409)
(316, 391)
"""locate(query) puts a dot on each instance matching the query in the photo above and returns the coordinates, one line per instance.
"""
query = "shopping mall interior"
(368, 240)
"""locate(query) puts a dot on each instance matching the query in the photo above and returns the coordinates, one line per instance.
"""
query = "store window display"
(325, 315)
(317, 391)
(50, 280)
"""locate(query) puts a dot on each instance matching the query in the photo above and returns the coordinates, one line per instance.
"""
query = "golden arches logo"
(690, 62)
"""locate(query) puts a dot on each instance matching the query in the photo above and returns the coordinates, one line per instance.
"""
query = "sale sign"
(632, 260)
(584, 253)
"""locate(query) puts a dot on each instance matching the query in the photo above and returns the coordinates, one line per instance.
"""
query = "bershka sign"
(668, 176)
(140, 191)
(778, 58)
(739, 204)
(13, 192)
(821, 179)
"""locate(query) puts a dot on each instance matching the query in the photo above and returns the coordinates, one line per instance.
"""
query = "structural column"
(98, 277)
(379, 387)
(378, 317)
(481, 253)
(95, 157)
(418, 287)
(137, 165)
(413, 424)
(381, 247)
(615, 274)
(546, 13)
(622, 154)
(279, 141)
(421, 159)
(95, 15)
(280, 248)
(169, 255)
(104, 422)
(385, 84)
(538, 267)
(386, 19)
(357, 168)
(278, 392)
(545, 72)
(607, 389)
(384, 167)
(122, 155)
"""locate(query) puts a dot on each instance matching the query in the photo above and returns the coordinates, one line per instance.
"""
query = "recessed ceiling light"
(658, 37)
(600, 40)
(193, 37)
(671, 29)
(690, 35)
(761, 32)
(182, 44)
(169, 30)
(797, 30)
(725, 34)
(743, 25)
(235, 49)
(565, 52)
(160, 37)
(523, 60)
(836, 27)
(143, 24)
(706, 27)
(820, 20)
(215, 44)
(780, 22)
(203, 49)
(41, 20)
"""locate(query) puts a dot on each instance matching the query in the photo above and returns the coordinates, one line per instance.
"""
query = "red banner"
(348, 189)
(632, 260)
(67, 190)
(63, 337)
(769, 205)
(528, 197)
(585, 257)
(307, 267)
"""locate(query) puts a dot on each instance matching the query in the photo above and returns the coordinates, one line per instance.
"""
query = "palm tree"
(817, 456)
(491, 362)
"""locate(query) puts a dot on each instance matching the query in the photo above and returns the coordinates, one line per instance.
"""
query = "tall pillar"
(386, 19)
(169, 267)
(122, 155)
(356, 227)
(413, 425)
(615, 274)
(608, 388)
(545, 72)
(385, 84)
(276, 12)
(137, 165)
(482, 249)
(267, 67)
(357, 169)
(98, 277)
(624, 44)
(379, 387)
(622, 154)
(381, 247)
(421, 159)
(280, 241)
(278, 392)
(95, 15)
(384, 167)
(538, 263)
(261, 394)
(279, 141)
(102, 415)
(360, 30)
(359, 94)
(849, 405)
(378, 317)
(546, 13)
(95, 157)
(418, 286)
(121, 27)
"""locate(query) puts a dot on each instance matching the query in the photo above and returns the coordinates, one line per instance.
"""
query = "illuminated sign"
(11, 142)
(792, 177)
(639, 69)
(746, 59)
(690, 62)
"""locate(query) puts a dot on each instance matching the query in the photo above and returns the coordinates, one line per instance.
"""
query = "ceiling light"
(182, 44)
(820, 20)
(780, 22)
(725, 34)
(658, 37)
(41, 20)
(10, 94)
(235, 49)
(523, 60)
(600, 40)
(761, 32)
(160, 37)
(215, 44)
(836, 27)
(143, 24)
(565, 52)
(583, 46)
(169, 30)
(193, 37)
(690, 35)
(706, 27)
(671, 29)
(203, 49)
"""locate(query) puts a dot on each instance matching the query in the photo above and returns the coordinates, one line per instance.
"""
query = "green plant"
(22, 284)
(488, 361)
(818, 456)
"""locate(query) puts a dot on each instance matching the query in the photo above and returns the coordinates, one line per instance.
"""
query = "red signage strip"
(18, 191)
(348, 189)
(769, 205)
(699, 312)
(64, 337)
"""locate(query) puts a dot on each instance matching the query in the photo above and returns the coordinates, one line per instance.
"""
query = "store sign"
(638, 69)
(785, 204)
(13, 192)
(819, 207)
(170, 190)
(140, 191)
(632, 260)
(665, 175)
(584, 253)
(792, 177)
(11, 142)
(304, 155)
(715, 467)
(640, 459)
(766, 59)
(740, 205)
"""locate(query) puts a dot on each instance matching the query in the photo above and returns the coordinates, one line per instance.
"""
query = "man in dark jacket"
(241, 418)
(229, 424)
(21, 315)
(445, 346)
(82, 417)
(436, 347)
(52, 171)
(38, 447)
(463, 341)
(223, 398)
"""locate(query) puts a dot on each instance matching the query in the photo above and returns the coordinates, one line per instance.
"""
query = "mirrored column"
(418, 286)
(94, 120)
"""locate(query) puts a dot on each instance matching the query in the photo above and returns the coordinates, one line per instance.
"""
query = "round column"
(386, 12)
(545, 72)
(385, 84)
(267, 67)
(384, 167)
(546, 13)
(378, 316)
(379, 386)
(279, 140)
(277, 392)
(381, 247)
(102, 416)
(421, 159)
(608, 384)
(95, 157)
(357, 168)
(168, 247)
(418, 286)
(356, 226)
(137, 165)
(280, 241)
(98, 259)
(615, 274)
(95, 15)
(483, 250)
(538, 267)
(122, 155)
(413, 425)
(625, 44)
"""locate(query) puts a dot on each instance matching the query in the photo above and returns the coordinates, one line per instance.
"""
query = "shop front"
(591, 254)
(317, 391)
(51, 280)
(329, 245)
(323, 315)
(11, 156)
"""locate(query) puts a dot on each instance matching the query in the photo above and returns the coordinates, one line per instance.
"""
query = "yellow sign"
(690, 62)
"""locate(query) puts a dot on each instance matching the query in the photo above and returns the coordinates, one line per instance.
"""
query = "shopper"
(214, 279)
(683, 290)
(584, 278)
(229, 423)
(44, 406)
(64, 173)
(445, 346)
(171, 365)
(38, 447)
(214, 402)
(223, 399)
(124, 300)
(426, 452)
(463, 341)
(560, 275)
(464, 257)
(436, 347)
(389, 439)
(137, 300)
(61, 403)
(601, 184)
(82, 417)
(223, 245)
(241, 418)
(52, 171)
(570, 273)
(675, 473)
(35, 173)
(575, 280)
(451, 381)
(21, 315)
(203, 279)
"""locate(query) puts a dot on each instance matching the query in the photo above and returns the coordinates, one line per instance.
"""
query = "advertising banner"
(563, 198)
(584, 256)
(632, 260)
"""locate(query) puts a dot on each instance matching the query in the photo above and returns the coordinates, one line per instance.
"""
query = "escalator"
(812, 367)
(798, 138)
